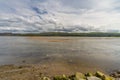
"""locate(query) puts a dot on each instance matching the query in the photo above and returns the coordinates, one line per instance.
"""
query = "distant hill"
(90, 34)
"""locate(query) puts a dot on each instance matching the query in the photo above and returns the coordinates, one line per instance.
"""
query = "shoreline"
(65, 34)
(36, 71)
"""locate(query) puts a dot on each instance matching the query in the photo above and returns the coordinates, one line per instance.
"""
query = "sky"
(59, 15)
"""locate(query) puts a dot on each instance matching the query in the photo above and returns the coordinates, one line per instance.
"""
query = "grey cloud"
(79, 4)
(75, 28)
(39, 1)
(39, 11)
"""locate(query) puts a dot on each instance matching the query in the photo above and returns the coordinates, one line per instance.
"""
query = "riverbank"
(65, 34)
(38, 72)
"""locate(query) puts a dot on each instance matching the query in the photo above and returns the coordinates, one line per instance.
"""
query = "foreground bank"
(30, 72)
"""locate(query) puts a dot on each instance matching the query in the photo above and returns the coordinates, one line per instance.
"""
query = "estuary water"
(71, 52)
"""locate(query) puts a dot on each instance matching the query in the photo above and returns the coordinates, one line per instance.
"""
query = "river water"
(90, 52)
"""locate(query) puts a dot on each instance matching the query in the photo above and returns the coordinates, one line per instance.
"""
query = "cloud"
(59, 15)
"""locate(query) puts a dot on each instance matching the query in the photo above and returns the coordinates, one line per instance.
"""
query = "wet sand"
(34, 72)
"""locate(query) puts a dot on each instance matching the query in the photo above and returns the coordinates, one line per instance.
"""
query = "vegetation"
(90, 34)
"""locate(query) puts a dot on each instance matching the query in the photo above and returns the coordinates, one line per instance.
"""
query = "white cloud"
(39, 15)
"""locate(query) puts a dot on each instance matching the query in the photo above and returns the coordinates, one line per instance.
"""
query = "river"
(74, 52)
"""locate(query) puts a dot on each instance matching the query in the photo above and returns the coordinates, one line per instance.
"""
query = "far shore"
(66, 34)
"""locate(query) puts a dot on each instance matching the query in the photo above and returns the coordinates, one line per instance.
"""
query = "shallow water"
(103, 53)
